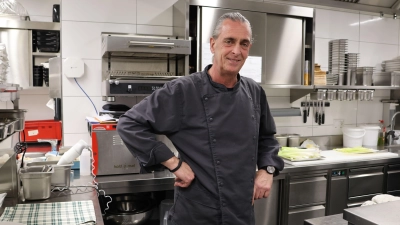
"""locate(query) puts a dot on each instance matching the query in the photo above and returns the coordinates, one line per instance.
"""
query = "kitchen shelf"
(355, 87)
(309, 87)
(46, 54)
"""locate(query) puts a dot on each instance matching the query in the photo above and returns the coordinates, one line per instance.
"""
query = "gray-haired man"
(222, 127)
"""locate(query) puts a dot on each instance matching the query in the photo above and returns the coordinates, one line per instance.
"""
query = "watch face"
(270, 169)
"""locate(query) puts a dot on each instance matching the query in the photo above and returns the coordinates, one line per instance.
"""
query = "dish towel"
(58, 213)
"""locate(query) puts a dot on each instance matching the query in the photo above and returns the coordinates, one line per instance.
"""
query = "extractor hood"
(384, 6)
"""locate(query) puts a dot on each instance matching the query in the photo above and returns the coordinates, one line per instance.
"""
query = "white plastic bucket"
(371, 135)
(353, 136)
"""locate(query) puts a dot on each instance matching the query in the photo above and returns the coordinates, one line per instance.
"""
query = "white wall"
(84, 20)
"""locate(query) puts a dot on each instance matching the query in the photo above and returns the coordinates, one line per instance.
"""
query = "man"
(221, 125)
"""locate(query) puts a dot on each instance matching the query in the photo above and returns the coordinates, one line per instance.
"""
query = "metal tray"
(303, 160)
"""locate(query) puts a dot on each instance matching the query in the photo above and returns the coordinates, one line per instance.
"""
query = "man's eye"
(228, 42)
(245, 44)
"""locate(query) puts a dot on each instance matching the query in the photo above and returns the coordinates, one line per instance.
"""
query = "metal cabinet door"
(19, 51)
(284, 50)
(209, 20)
(307, 191)
(393, 179)
(365, 181)
(266, 209)
(297, 216)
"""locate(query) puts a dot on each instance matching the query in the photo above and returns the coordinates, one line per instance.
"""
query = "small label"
(33, 132)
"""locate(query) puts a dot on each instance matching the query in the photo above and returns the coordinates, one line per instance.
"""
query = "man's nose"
(236, 49)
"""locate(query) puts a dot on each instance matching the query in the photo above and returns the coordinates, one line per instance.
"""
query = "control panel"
(134, 88)
(336, 173)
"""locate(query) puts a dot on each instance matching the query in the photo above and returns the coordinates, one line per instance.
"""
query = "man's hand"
(262, 185)
(184, 175)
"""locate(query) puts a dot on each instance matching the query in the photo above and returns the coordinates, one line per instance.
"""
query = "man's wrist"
(171, 163)
(269, 169)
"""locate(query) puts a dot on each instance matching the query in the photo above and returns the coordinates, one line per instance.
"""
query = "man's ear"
(212, 45)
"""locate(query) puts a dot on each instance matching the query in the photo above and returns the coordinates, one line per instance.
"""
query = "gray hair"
(234, 16)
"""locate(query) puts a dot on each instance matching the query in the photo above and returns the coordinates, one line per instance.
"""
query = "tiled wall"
(84, 21)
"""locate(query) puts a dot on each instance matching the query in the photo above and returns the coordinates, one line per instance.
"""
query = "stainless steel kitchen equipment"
(61, 176)
(286, 29)
(138, 65)
(35, 182)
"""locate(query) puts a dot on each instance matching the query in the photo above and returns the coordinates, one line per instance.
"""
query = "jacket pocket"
(194, 206)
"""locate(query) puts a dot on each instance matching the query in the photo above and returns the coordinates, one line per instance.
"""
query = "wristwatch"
(269, 169)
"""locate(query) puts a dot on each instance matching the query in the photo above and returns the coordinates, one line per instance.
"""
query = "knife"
(323, 112)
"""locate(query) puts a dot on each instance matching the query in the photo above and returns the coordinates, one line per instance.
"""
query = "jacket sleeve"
(159, 113)
(268, 146)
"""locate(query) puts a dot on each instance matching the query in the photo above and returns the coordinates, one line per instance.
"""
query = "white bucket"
(371, 135)
(353, 136)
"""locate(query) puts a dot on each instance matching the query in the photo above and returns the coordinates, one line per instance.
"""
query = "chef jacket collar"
(219, 86)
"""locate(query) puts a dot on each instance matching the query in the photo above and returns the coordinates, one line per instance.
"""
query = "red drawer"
(42, 129)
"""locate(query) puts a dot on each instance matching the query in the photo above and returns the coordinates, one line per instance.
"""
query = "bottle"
(85, 163)
(381, 134)
(72, 153)
(306, 80)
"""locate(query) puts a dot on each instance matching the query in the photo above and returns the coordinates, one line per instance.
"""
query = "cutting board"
(332, 156)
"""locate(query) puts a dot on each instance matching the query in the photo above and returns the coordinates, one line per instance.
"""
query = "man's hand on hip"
(184, 175)
(262, 185)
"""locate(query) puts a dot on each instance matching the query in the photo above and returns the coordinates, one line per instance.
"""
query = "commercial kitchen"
(328, 67)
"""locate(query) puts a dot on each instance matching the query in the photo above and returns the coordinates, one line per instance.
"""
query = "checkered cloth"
(74, 212)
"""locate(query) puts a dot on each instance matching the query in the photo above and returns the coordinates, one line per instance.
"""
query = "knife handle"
(316, 117)
(323, 118)
(319, 119)
(304, 116)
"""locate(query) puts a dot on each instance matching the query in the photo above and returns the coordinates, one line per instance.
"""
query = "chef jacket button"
(218, 162)
(214, 140)
(221, 184)
(223, 204)
(211, 119)
(205, 99)
(254, 137)
(252, 158)
(252, 180)
(252, 116)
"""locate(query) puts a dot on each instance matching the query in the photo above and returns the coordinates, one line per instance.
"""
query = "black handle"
(323, 118)
(304, 116)
(319, 119)
(308, 109)
(316, 117)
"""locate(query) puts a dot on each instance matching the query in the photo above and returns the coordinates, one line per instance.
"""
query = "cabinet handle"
(151, 44)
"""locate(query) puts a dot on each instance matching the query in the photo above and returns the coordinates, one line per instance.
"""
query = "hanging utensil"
(316, 111)
(305, 112)
(308, 106)
(319, 113)
(323, 112)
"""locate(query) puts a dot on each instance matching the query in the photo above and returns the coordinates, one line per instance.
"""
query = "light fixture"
(394, 16)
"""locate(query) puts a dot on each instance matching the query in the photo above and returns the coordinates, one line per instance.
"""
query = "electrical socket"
(338, 123)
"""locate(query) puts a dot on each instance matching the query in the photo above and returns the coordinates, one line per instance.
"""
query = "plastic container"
(353, 136)
(70, 155)
(371, 135)
(42, 129)
(85, 163)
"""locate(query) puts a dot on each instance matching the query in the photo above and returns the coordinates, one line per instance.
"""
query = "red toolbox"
(42, 129)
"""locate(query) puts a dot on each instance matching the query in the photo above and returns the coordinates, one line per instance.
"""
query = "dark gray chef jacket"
(221, 134)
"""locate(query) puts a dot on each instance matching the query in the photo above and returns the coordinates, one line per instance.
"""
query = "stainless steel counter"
(384, 213)
(73, 194)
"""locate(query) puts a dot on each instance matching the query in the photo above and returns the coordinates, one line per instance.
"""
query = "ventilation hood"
(384, 6)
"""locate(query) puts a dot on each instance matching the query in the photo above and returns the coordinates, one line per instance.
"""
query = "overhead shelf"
(46, 54)
(355, 87)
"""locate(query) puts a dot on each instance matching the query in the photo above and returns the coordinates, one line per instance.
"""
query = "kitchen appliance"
(139, 65)
(111, 157)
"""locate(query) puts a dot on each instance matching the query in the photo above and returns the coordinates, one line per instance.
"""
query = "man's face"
(231, 48)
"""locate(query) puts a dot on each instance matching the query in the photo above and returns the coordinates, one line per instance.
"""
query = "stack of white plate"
(337, 57)
(332, 79)
(391, 65)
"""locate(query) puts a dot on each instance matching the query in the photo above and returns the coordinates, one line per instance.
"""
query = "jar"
(341, 95)
(351, 95)
(282, 140)
(331, 95)
(294, 140)
(361, 95)
(321, 95)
